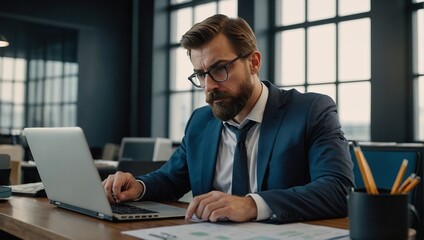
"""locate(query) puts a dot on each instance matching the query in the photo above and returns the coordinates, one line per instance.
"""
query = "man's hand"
(120, 187)
(216, 205)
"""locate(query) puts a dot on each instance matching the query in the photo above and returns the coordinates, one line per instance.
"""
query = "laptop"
(72, 181)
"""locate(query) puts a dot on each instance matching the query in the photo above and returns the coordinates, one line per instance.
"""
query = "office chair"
(16, 153)
(4, 161)
(110, 151)
(4, 169)
(145, 149)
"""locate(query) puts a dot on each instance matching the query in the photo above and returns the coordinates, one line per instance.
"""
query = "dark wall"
(104, 49)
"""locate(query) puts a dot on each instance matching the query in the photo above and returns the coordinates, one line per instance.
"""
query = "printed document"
(236, 231)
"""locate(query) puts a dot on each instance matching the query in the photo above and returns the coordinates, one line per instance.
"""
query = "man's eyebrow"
(211, 66)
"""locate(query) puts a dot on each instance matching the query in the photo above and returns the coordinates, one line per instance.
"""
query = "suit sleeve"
(327, 159)
(185, 170)
(171, 181)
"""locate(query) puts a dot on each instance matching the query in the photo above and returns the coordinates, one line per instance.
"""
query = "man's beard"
(230, 106)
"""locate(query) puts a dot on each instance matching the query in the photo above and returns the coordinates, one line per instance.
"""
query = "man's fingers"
(194, 204)
(207, 205)
(202, 205)
(210, 211)
(216, 206)
(192, 208)
(107, 185)
(121, 188)
(114, 184)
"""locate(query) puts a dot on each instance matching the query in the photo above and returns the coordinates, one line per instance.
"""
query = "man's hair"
(237, 30)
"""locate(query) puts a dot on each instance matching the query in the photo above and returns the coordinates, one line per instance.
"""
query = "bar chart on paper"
(236, 231)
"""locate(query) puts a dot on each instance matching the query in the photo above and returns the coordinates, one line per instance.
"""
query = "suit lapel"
(273, 116)
(210, 155)
(271, 124)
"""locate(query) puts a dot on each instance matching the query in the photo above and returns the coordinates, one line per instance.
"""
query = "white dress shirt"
(224, 164)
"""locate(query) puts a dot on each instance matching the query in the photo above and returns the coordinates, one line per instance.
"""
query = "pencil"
(362, 170)
(406, 183)
(411, 185)
(365, 170)
(399, 176)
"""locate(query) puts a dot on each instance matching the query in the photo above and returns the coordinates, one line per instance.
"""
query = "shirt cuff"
(264, 211)
(144, 191)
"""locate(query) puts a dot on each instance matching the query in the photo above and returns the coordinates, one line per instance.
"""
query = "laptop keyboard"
(120, 208)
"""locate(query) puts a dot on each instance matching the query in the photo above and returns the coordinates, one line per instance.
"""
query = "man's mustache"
(215, 95)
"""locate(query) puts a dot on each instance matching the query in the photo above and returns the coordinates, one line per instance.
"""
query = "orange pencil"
(406, 183)
(411, 185)
(362, 170)
(399, 176)
(365, 170)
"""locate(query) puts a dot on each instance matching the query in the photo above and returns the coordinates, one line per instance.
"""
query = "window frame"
(192, 92)
(391, 83)
(305, 25)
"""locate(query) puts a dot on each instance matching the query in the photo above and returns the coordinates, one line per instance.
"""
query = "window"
(12, 93)
(324, 46)
(183, 97)
(418, 68)
(52, 87)
(38, 80)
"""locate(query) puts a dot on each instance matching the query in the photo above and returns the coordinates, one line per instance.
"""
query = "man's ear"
(255, 62)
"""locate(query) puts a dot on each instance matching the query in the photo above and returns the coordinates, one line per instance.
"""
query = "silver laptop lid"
(71, 179)
(66, 168)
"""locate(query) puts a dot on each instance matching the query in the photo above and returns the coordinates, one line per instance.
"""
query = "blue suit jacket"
(304, 168)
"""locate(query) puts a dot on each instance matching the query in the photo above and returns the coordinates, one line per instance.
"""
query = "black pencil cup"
(383, 216)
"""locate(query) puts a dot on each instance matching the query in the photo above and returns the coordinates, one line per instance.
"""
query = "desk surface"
(36, 218)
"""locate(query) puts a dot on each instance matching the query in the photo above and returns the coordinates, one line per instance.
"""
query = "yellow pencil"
(399, 176)
(411, 185)
(406, 183)
(365, 170)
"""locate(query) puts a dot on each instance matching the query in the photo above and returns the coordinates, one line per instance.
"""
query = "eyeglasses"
(217, 73)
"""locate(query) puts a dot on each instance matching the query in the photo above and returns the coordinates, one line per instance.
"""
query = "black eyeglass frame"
(225, 66)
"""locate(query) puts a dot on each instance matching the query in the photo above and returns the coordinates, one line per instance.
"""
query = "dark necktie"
(240, 184)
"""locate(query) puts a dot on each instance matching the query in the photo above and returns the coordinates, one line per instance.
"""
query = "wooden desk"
(36, 218)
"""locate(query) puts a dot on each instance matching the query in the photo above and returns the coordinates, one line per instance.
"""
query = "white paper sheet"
(236, 231)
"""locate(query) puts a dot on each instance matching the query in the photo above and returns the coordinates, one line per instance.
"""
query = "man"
(298, 162)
